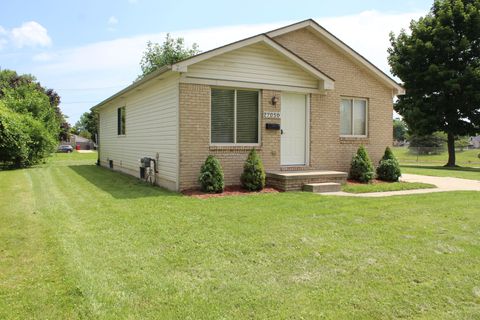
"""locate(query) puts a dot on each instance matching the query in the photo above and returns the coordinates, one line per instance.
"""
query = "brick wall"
(195, 137)
(327, 149)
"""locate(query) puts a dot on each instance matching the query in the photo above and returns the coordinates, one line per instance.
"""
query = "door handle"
(281, 131)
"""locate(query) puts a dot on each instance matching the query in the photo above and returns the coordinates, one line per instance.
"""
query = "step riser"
(297, 184)
(294, 181)
(322, 189)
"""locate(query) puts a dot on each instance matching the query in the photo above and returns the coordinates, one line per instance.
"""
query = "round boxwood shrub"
(361, 168)
(211, 176)
(253, 176)
(388, 168)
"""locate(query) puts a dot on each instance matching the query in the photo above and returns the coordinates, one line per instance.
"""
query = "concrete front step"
(295, 180)
(322, 187)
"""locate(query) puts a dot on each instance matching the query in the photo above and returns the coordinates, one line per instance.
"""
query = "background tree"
(30, 120)
(170, 51)
(399, 130)
(439, 63)
(87, 125)
(427, 144)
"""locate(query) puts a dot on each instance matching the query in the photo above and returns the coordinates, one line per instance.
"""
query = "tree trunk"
(451, 150)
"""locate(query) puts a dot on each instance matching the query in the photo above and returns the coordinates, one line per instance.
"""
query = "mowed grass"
(463, 158)
(433, 165)
(440, 171)
(82, 242)
(384, 187)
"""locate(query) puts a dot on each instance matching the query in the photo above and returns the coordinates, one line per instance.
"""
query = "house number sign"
(271, 115)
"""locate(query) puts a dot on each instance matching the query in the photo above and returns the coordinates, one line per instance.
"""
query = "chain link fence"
(436, 155)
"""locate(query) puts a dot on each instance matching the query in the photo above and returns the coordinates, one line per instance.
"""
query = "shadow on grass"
(119, 185)
(466, 169)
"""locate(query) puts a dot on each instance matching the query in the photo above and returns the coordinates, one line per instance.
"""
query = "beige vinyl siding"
(257, 63)
(151, 128)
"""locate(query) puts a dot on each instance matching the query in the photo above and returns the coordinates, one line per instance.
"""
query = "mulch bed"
(229, 191)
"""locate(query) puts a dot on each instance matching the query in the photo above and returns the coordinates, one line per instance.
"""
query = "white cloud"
(3, 36)
(44, 56)
(112, 23)
(368, 32)
(112, 20)
(115, 63)
(30, 34)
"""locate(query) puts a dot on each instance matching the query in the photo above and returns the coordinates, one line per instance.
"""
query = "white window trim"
(353, 118)
(235, 144)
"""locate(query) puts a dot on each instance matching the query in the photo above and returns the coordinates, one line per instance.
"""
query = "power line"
(76, 102)
(87, 89)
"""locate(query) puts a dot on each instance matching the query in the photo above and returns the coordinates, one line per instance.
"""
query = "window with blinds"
(353, 117)
(234, 116)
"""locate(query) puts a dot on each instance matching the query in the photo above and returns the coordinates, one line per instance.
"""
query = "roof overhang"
(325, 81)
(135, 85)
(325, 34)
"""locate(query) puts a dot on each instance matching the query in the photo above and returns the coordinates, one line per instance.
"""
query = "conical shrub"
(361, 168)
(253, 176)
(388, 169)
(388, 154)
(211, 176)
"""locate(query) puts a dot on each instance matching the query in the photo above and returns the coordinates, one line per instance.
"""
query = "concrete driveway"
(443, 184)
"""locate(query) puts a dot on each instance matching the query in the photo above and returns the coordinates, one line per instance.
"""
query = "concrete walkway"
(443, 184)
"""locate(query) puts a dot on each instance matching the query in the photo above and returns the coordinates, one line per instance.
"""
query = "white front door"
(294, 129)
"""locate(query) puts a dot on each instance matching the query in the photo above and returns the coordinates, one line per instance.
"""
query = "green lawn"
(432, 165)
(383, 187)
(440, 171)
(464, 158)
(79, 241)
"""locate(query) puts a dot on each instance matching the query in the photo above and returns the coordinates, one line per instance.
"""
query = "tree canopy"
(30, 120)
(439, 63)
(87, 125)
(399, 130)
(170, 51)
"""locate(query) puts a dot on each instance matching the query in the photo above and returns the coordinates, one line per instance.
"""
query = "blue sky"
(88, 50)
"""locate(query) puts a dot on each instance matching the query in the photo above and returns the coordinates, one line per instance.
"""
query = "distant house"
(299, 95)
(81, 143)
(475, 142)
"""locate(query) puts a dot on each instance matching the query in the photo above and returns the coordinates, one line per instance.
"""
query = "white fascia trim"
(135, 85)
(337, 42)
(248, 85)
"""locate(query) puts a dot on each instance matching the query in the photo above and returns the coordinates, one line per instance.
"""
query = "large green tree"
(439, 63)
(399, 130)
(170, 51)
(30, 120)
(87, 125)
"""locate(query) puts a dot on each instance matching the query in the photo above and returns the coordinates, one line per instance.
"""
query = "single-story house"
(475, 142)
(81, 143)
(299, 95)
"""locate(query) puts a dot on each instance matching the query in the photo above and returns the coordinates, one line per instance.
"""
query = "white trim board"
(248, 85)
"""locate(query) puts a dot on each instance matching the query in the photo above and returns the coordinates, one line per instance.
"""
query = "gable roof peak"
(316, 28)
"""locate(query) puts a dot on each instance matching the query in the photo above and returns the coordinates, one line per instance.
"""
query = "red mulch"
(229, 191)
(374, 181)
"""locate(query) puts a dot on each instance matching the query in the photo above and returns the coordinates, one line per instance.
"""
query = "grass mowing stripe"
(41, 288)
(384, 187)
(135, 251)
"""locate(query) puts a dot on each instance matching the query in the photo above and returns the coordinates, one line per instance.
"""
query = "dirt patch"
(229, 191)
